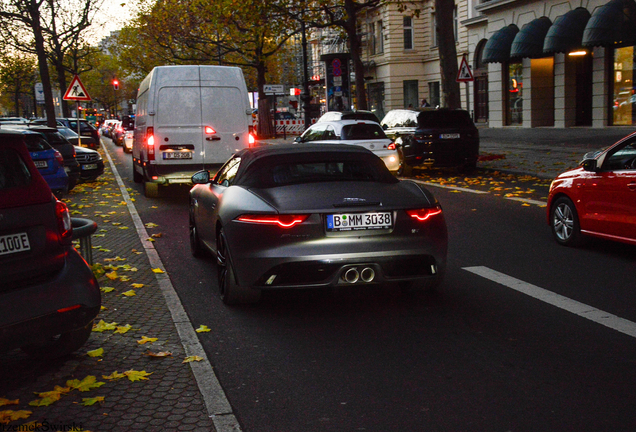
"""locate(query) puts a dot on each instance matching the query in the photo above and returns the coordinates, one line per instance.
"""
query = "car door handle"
(213, 138)
(631, 186)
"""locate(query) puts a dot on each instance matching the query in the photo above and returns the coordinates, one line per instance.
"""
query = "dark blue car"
(48, 161)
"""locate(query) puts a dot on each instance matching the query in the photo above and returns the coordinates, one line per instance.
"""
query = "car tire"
(196, 248)
(137, 178)
(231, 292)
(60, 345)
(151, 190)
(404, 170)
(564, 221)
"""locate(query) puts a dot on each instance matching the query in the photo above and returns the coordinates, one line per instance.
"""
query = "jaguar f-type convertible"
(311, 216)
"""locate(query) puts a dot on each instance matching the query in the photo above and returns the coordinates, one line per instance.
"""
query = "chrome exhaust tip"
(351, 275)
(367, 274)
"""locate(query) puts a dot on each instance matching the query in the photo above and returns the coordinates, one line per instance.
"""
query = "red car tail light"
(250, 139)
(424, 214)
(150, 143)
(59, 158)
(391, 146)
(209, 130)
(63, 219)
(284, 221)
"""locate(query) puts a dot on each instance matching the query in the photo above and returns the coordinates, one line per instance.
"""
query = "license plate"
(89, 166)
(14, 243)
(359, 221)
(449, 136)
(177, 155)
(41, 164)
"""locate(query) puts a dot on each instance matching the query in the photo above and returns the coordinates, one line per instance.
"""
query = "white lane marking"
(528, 201)
(215, 399)
(596, 315)
(450, 187)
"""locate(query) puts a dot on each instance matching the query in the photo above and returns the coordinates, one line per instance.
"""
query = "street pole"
(306, 98)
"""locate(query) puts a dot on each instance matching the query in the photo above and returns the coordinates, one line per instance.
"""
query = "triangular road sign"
(464, 74)
(76, 91)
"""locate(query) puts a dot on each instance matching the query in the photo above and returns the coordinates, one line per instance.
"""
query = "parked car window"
(330, 133)
(621, 159)
(13, 170)
(362, 131)
(445, 118)
(314, 133)
(36, 142)
(228, 172)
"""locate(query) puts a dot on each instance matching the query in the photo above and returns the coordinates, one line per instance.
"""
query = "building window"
(624, 101)
(380, 37)
(408, 32)
(371, 38)
(433, 94)
(411, 95)
(376, 98)
(515, 94)
(455, 24)
(433, 30)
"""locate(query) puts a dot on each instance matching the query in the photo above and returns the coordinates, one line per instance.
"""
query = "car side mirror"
(384, 127)
(589, 165)
(201, 177)
(298, 139)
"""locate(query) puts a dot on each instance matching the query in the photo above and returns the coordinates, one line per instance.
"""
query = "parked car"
(324, 215)
(364, 133)
(61, 144)
(596, 199)
(85, 127)
(433, 137)
(349, 115)
(49, 295)
(91, 163)
(105, 128)
(117, 133)
(129, 135)
(74, 138)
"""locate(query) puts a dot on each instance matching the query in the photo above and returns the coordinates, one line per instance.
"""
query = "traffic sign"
(464, 74)
(76, 91)
(274, 89)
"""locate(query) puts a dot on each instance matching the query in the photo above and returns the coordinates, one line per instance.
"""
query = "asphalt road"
(481, 356)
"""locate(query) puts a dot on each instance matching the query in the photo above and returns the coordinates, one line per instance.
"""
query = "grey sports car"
(311, 216)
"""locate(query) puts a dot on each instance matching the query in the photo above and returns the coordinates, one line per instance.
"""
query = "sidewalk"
(538, 152)
(133, 372)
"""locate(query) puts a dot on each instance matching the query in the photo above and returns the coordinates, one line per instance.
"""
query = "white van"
(188, 118)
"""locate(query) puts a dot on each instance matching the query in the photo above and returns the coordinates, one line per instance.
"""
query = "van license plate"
(177, 155)
(359, 221)
(449, 136)
(14, 243)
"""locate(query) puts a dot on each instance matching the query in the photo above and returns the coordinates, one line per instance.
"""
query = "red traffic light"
(116, 84)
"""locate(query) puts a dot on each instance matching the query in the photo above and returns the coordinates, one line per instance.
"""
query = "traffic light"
(116, 84)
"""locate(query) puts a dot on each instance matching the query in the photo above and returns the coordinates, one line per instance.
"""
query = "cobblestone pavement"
(138, 385)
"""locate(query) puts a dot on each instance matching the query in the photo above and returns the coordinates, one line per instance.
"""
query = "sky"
(112, 16)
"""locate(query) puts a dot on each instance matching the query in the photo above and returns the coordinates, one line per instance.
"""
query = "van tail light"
(391, 146)
(150, 143)
(59, 158)
(284, 221)
(209, 130)
(63, 219)
(424, 214)
(251, 140)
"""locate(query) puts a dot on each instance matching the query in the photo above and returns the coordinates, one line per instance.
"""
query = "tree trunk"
(355, 49)
(61, 81)
(447, 53)
(34, 13)
(265, 127)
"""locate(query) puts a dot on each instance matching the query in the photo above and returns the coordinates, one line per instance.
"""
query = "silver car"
(313, 216)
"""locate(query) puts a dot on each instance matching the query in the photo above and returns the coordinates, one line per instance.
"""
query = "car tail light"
(63, 219)
(424, 214)
(59, 158)
(150, 142)
(250, 139)
(284, 221)
(209, 130)
(391, 146)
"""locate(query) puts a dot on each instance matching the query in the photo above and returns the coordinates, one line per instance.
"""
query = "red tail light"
(59, 158)
(63, 219)
(424, 214)
(251, 140)
(209, 130)
(391, 146)
(150, 143)
(284, 221)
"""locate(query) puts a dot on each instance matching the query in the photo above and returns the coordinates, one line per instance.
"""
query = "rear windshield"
(276, 172)
(36, 142)
(362, 131)
(359, 116)
(84, 126)
(13, 170)
(444, 119)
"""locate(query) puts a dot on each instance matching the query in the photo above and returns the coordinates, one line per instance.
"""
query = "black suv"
(49, 296)
(433, 137)
(85, 127)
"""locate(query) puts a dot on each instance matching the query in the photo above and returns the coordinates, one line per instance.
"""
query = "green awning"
(612, 24)
(566, 34)
(529, 41)
(497, 49)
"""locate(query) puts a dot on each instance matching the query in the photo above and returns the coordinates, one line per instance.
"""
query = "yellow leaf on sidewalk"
(137, 285)
(129, 293)
(190, 359)
(146, 339)
(96, 353)
(92, 401)
(4, 401)
(10, 415)
(123, 329)
(112, 275)
(114, 376)
(102, 326)
(157, 270)
(134, 375)
(203, 329)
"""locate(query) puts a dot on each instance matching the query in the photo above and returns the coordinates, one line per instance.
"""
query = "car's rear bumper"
(87, 174)
(67, 301)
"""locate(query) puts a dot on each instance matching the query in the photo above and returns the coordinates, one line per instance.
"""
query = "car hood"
(574, 172)
(345, 196)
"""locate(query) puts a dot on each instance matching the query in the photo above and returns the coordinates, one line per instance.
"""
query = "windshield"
(444, 119)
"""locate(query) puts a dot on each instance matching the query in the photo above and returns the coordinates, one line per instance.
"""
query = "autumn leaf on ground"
(123, 329)
(203, 329)
(125, 279)
(47, 398)
(137, 285)
(151, 225)
(96, 353)
(102, 326)
(10, 415)
(146, 339)
(92, 401)
(190, 359)
(157, 270)
(88, 383)
(150, 239)
(157, 235)
(123, 227)
(4, 401)
(112, 275)
(129, 293)
(134, 375)
(107, 289)
(114, 376)
(159, 354)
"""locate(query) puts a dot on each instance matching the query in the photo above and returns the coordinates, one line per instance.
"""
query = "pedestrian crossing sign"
(464, 74)
(76, 91)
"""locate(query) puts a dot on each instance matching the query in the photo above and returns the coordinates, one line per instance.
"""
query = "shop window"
(376, 98)
(514, 93)
(411, 95)
(624, 92)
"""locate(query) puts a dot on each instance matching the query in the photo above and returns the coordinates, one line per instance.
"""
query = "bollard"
(82, 230)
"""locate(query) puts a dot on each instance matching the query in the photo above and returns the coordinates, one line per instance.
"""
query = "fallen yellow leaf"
(112, 275)
(123, 329)
(137, 285)
(4, 401)
(159, 354)
(146, 339)
(190, 359)
(114, 376)
(10, 415)
(92, 401)
(88, 383)
(134, 375)
(102, 326)
(96, 353)
(203, 328)
(129, 293)
(157, 270)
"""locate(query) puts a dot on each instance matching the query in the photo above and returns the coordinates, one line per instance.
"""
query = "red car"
(598, 198)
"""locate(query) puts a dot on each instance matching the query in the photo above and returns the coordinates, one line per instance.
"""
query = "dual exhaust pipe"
(354, 275)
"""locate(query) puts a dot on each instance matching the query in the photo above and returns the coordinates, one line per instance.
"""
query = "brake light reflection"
(284, 221)
(424, 214)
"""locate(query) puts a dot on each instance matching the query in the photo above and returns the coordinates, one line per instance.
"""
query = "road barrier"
(289, 127)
